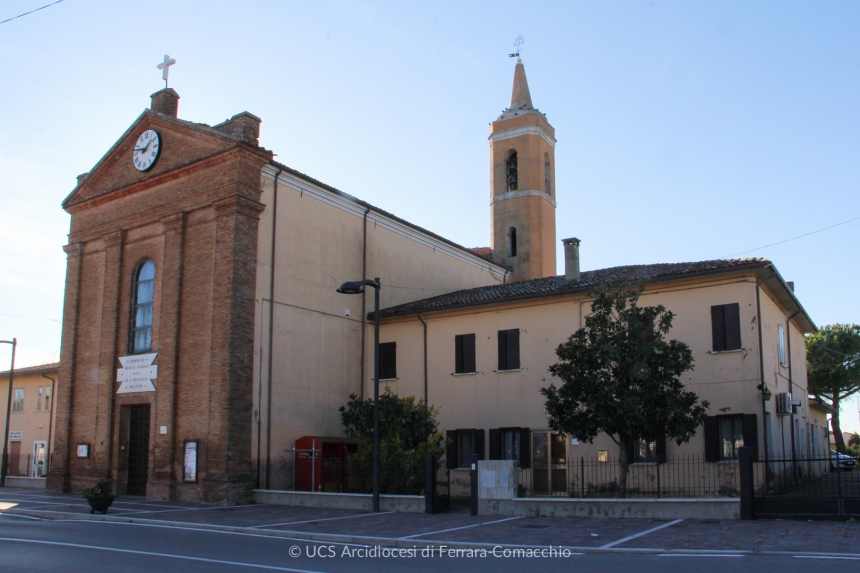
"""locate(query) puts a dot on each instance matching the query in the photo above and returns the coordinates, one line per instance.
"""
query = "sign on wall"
(83, 450)
(16, 434)
(189, 473)
(137, 373)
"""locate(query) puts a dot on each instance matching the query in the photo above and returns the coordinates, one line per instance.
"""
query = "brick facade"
(195, 215)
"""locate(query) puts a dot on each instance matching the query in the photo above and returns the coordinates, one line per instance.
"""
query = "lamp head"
(766, 394)
(351, 287)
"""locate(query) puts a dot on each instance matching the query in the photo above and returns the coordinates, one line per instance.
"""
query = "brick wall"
(195, 215)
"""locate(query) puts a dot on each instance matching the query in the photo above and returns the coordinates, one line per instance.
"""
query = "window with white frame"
(18, 400)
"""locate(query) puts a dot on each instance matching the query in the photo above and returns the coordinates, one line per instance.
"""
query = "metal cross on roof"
(165, 66)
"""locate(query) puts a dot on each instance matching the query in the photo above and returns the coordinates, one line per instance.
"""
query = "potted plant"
(100, 497)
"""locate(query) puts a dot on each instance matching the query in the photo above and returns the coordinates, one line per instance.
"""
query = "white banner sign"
(16, 435)
(137, 373)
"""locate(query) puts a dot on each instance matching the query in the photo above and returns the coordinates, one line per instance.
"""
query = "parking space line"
(22, 516)
(199, 508)
(701, 555)
(825, 557)
(324, 519)
(646, 532)
(154, 554)
(458, 528)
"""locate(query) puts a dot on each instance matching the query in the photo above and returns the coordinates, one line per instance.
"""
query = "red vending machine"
(321, 463)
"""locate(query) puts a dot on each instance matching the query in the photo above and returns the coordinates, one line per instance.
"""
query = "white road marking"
(825, 557)
(458, 528)
(646, 532)
(701, 555)
(200, 508)
(325, 519)
(154, 554)
(21, 516)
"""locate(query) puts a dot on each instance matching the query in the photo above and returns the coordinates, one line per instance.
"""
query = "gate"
(138, 449)
(437, 492)
(804, 488)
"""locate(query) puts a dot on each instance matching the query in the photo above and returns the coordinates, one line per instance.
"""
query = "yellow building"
(30, 423)
(488, 349)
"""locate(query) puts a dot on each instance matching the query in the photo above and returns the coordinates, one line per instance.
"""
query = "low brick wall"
(681, 508)
(25, 482)
(355, 501)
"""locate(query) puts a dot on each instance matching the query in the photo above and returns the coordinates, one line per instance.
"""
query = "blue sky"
(686, 130)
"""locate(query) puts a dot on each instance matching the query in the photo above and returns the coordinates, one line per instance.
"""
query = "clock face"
(146, 150)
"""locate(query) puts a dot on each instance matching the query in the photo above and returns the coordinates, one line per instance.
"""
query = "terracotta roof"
(41, 368)
(553, 286)
(485, 252)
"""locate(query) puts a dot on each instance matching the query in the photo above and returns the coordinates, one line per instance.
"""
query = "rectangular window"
(726, 327)
(388, 361)
(510, 444)
(644, 452)
(465, 448)
(18, 400)
(464, 354)
(782, 359)
(39, 399)
(47, 398)
(462, 446)
(509, 349)
(603, 456)
(731, 436)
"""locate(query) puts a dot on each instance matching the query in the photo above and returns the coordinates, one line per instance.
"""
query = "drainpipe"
(761, 368)
(271, 328)
(50, 424)
(363, 304)
(790, 381)
(425, 358)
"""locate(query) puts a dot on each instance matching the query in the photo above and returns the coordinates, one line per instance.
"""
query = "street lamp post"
(4, 463)
(357, 287)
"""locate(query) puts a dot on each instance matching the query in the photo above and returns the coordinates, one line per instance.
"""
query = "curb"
(367, 540)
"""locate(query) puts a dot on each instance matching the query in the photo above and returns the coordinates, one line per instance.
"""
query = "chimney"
(166, 101)
(790, 285)
(244, 126)
(571, 259)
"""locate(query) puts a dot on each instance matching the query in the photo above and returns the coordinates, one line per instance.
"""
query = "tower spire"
(520, 96)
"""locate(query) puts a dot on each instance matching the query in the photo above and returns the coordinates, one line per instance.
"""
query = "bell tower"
(522, 186)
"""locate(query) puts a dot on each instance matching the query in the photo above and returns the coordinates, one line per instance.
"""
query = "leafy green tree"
(833, 368)
(620, 376)
(408, 431)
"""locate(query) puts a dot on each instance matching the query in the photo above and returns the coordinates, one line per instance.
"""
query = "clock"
(146, 150)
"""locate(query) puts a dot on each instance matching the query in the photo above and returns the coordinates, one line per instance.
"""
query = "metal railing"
(26, 466)
(679, 476)
(293, 472)
(805, 477)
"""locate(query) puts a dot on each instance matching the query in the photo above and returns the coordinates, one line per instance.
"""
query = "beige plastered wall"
(490, 399)
(34, 425)
(316, 351)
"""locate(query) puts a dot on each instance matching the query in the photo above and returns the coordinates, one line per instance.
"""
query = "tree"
(620, 376)
(833, 368)
(408, 431)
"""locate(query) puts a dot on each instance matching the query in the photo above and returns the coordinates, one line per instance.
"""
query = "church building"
(203, 332)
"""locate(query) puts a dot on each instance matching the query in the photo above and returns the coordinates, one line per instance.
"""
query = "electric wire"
(30, 12)
(797, 237)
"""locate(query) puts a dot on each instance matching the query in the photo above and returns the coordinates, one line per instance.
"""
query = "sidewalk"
(458, 528)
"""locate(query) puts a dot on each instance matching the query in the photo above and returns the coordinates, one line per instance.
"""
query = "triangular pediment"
(182, 143)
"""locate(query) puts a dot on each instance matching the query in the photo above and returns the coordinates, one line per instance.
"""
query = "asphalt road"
(28, 545)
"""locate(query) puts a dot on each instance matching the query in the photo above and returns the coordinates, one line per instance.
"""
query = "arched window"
(512, 242)
(511, 171)
(547, 175)
(141, 312)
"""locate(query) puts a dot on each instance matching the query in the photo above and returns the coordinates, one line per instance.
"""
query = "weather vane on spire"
(519, 41)
(165, 65)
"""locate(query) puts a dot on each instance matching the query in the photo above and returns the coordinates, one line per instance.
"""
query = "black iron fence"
(806, 477)
(26, 466)
(303, 470)
(679, 476)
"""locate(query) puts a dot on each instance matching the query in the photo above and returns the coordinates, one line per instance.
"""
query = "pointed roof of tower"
(521, 98)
